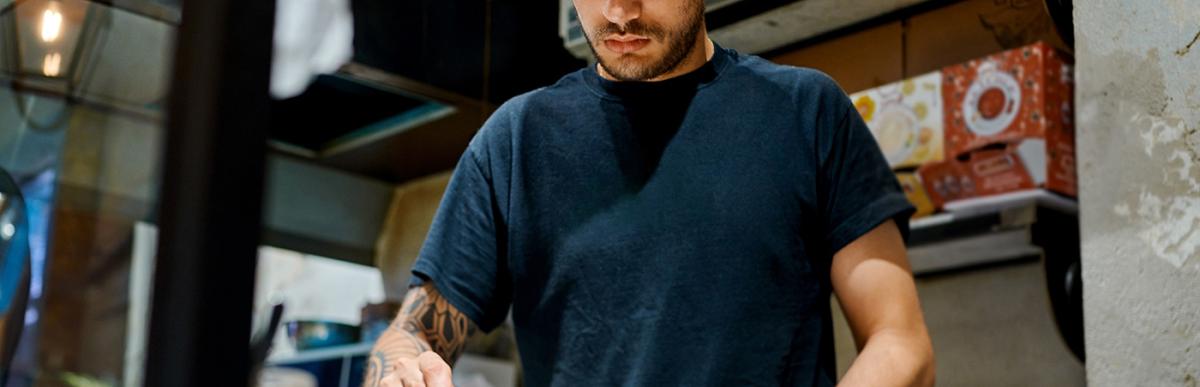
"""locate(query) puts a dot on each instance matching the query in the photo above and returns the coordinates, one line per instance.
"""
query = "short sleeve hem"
(891, 206)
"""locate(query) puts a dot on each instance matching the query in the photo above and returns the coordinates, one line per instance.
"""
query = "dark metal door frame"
(211, 199)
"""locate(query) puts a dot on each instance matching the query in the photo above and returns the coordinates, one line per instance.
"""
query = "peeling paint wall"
(1138, 101)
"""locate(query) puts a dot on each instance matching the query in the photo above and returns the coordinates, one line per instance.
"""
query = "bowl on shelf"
(313, 334)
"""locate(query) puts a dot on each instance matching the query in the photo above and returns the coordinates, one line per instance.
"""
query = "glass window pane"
(81, 136)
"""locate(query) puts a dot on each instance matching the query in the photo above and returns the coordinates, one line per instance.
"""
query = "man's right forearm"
(426, 323)
(395, 344)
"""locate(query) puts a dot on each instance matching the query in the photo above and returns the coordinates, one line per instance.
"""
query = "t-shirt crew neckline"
(694, 80)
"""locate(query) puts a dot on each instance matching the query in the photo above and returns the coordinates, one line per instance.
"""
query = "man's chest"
(705, 196)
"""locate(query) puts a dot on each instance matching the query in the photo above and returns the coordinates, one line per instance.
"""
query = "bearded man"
(677, 215)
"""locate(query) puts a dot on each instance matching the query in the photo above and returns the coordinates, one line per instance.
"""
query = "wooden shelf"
(802, 20)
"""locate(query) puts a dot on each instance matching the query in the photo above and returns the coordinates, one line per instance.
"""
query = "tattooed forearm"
(427, 322)
(377, 367)
(426, 314)
(416, 341)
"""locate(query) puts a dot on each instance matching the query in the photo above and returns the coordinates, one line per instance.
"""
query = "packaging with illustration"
(915, 191)
(1010, 98)
(906, 118)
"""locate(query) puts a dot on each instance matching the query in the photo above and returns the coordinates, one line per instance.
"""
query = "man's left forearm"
(892, 359)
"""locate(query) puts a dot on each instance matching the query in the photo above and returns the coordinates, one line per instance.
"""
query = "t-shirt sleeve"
(858, 189)
(462, 255)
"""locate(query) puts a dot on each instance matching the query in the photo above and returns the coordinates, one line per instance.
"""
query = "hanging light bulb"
(52, 23)
(52, 64)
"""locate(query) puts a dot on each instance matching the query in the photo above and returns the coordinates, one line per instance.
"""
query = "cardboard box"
(989, 171)
(858, 61)
(906, 118)
(969, 29)
(916, 194)
(1010, 97)
(925, 42)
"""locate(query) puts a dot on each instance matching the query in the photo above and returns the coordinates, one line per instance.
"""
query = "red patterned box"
(981, 173)
(988, 171)
(1012, 96)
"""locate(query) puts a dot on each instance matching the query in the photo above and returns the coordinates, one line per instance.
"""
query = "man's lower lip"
(625, 47)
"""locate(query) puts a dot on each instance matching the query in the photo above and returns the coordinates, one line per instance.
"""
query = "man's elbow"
(918, 349)
(925, 364)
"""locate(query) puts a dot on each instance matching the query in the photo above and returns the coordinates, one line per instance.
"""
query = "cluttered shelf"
(985, 151)
(311, 355)
(965, 209)
(992, 229)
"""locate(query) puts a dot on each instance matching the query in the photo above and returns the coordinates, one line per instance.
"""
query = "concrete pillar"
(1138, 103)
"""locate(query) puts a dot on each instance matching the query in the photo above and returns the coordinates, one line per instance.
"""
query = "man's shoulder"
(568, 88)
(513, 116)
(803, 80)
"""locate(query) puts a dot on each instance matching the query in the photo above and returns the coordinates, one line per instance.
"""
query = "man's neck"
(693, 61)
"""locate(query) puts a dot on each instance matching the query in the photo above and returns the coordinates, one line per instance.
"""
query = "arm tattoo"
(426, 314)
(377, 367)
(427, 322)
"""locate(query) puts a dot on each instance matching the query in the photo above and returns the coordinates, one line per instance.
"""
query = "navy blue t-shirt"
(665, 233)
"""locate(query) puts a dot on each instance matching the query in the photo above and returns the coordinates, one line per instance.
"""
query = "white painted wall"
(1138, 103)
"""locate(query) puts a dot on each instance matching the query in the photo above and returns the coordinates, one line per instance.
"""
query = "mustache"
(634, 27)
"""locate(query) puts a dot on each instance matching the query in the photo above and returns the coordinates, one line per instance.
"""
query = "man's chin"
(626, 74)
(628, 67)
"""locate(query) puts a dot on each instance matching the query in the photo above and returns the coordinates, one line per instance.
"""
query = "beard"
(679, 44)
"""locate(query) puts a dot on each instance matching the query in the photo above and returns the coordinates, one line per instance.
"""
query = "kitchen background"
(1025, 276)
